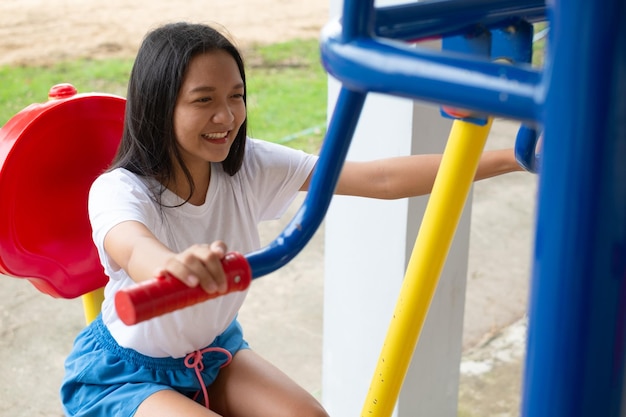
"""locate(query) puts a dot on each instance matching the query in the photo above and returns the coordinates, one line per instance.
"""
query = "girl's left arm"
(409, 176)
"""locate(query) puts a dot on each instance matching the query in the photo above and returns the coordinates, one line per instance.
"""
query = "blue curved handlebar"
(355, 53)
(526, 152)
(323, 181)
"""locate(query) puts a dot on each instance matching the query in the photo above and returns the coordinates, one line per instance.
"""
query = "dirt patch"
(44, 31)
(491, 374)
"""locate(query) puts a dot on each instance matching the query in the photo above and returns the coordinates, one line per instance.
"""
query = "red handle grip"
(165, 294)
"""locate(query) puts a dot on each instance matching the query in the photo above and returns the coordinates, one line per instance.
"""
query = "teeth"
(214, 135)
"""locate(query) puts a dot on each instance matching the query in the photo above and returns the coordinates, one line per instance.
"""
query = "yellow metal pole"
(445, 206)
(92, 303)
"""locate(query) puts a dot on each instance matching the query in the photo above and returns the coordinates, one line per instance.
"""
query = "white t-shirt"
(266, 184)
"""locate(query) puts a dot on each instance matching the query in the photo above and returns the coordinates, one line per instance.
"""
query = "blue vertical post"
(577, 313)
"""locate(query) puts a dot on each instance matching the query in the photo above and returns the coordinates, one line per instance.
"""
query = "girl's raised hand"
(200, 265)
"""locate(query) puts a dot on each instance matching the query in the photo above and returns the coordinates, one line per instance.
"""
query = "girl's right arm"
(136, 250)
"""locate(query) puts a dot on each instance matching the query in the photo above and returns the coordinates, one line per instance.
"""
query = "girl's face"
(209, 109)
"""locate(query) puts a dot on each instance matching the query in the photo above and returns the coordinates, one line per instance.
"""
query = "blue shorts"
(105, 379)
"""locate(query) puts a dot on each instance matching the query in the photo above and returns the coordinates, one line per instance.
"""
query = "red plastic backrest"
(50, 154)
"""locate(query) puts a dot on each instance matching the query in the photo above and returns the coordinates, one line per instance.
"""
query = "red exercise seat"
(50, 153)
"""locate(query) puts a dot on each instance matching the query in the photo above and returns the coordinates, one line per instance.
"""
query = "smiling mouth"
(214, 136)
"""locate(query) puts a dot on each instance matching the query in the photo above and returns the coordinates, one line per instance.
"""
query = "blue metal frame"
(366, 64)
(577, 332)
(354, 53)
(577, 311)
(452, 17)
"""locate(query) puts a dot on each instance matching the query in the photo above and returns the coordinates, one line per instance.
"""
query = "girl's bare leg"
(168, 403)
(252, 387)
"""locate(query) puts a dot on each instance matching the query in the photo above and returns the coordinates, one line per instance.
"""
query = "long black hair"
(148, 140)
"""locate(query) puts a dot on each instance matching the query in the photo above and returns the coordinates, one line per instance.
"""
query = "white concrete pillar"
(367, 247)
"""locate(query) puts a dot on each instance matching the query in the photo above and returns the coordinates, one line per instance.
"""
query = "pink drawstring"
(194, 361)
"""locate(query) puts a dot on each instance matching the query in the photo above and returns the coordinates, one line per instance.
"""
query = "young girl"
(187, 182)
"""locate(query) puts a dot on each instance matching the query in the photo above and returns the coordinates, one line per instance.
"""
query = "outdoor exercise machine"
(577, 332)
(576, 341)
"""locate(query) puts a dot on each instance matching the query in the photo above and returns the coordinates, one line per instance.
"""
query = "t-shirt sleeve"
(276, 173)
(113, 199)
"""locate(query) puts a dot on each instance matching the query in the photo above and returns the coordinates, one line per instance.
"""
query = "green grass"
(287, 94)
(22, 86)
(539, 47)
(286, 89)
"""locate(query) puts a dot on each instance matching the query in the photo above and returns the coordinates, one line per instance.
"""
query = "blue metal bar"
(577, 315)
(451, 79)
(512, 94)
(453, 17)
(527, 153)
(308, 218)
(515, 89)
(358, 19)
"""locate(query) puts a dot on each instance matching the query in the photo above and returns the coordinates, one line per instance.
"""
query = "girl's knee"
(313, 409)
(319, 412)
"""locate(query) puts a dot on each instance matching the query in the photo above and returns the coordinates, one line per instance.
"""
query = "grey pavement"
(283, 315)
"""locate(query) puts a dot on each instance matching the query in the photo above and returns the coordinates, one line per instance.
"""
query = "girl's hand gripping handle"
(165, 294)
